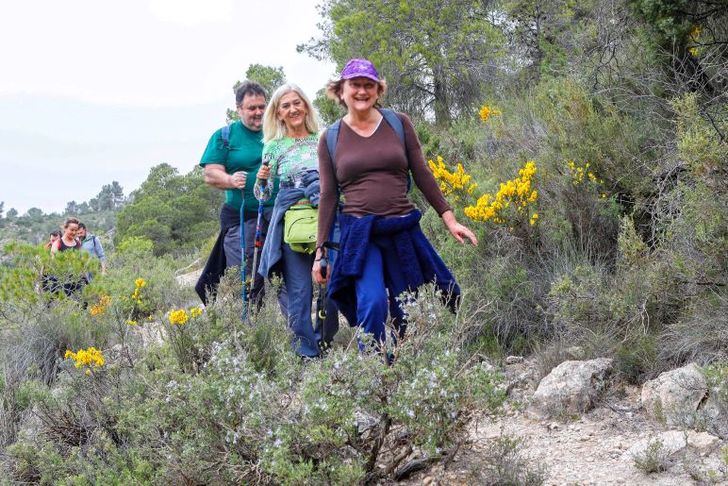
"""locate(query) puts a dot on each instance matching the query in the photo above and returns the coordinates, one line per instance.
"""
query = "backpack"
(225, 134)
(332, 137)
(95, 239)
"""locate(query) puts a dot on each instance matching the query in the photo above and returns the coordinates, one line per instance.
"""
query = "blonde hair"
(334, 88)
(273, 128)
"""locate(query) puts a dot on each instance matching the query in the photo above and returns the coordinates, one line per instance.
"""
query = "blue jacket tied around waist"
(414, 260)
(287, 197)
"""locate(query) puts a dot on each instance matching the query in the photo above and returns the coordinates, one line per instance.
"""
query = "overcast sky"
(94, 91)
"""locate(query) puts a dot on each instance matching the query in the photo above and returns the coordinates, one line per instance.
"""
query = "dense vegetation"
(585, 143)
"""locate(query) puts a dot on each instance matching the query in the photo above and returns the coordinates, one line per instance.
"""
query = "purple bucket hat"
(360, 68)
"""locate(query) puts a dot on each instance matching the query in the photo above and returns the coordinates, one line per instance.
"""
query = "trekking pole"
(243, 277)
(321, 305)
(262, 197)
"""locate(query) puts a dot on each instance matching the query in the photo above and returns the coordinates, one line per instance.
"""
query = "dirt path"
(588, 450)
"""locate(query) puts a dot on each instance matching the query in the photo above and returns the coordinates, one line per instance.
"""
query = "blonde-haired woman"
(290, 133)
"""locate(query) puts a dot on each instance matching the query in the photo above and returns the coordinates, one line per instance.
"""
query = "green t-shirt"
(243, 153)
(290, 157)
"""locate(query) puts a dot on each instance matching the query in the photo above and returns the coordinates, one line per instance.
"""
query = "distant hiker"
(289, 156)
(69, 284)
(230, 161)
(369, 155)
(91, 244)
(68, 240)
(54, 236)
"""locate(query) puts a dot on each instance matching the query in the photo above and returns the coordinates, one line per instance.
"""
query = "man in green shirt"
(232, 165)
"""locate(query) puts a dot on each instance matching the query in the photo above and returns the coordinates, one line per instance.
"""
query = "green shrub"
(654, 459)
(504, 463)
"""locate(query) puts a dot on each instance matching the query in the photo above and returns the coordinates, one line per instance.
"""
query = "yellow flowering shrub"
(579, 173)
(89, 358)
(486, 112)
(515, 199)
(178, 317)
(139, 284)
(456, 183)
(694, 38)
(100, 307)
(181, 316)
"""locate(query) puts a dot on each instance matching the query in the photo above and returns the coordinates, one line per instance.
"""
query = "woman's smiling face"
(360, 94)
(292, 111)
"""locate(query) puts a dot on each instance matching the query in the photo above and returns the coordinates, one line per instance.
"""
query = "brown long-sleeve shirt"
(372, 174)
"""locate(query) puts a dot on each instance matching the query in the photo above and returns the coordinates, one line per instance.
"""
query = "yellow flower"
(517, 193)
(178, 317)
(457, 183)
(100, 307)
(131, 322)
(695, 33)
(486, 112)
(579, 173)
(195, 312)
(140, 282)
(89, 357)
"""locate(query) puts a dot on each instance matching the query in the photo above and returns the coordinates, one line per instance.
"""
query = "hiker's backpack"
(332, 138)
(225, 134)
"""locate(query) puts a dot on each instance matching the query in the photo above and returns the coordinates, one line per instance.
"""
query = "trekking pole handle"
(260, 186)
(324, 266)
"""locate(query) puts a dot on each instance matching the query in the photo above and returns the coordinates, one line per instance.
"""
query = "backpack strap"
(396, 123)
(332, 138)
(225, 134)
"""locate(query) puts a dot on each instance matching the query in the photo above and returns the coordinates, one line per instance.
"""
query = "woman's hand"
(264, 172)
(319, 272)
(457, 230)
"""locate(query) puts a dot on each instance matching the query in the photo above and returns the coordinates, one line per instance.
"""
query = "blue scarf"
(414, 260)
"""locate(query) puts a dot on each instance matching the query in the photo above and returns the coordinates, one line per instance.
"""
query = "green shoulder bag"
(300, 224)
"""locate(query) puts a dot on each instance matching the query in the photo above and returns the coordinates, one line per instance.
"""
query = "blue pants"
(234, 252)
(372, 299)
(297, 280)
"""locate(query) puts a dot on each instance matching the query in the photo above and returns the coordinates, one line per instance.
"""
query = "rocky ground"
(592, 448)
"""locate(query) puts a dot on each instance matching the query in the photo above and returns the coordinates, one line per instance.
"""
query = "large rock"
(715, 413)
(664, 444)
(572, 387)
(673, 441)
(673, 397)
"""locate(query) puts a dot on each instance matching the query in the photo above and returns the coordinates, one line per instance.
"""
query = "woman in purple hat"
(369, 155)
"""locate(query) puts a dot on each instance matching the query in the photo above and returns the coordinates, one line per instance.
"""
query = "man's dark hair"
(248, 88)
(81, 226)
